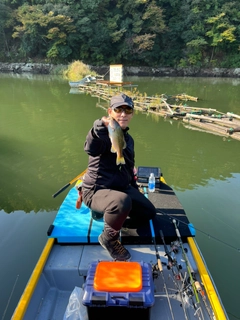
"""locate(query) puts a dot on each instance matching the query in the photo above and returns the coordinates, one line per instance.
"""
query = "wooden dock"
(203, 119)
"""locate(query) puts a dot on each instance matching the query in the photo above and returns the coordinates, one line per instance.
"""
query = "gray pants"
(118, 205)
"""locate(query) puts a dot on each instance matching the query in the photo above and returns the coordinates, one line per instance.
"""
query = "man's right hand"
(106, 120)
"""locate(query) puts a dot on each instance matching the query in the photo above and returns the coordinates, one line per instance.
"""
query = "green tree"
(194, 30)
(169, 45)
(151, 32)
(221, 31)
(5, 23)
(43, 32)
(211, 29)
(227, 52)
(135, 28)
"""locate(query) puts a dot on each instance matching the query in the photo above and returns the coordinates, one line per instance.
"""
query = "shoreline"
(46, 68)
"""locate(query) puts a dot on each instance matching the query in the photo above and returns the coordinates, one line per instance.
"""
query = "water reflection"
(75, 91)
(43, 129)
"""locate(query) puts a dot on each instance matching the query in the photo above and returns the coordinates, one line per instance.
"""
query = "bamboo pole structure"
(206, 119)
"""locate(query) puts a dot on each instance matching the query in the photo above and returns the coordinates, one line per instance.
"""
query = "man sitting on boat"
(109, 186)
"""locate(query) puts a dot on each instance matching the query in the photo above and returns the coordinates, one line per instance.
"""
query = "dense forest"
(160, 33)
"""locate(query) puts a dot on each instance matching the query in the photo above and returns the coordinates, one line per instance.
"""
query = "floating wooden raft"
(206, 119)
(184, 97)
(214, 125)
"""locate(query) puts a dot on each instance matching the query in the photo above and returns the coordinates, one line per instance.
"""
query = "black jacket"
(103, 173)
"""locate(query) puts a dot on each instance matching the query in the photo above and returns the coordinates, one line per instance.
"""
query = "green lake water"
(42, 132)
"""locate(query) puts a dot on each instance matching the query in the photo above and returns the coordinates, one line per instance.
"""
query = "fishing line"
(237, 317)
(10, 297)
(171, 217)
(217, 218)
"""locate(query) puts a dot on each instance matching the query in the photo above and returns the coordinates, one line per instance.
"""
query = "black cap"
(121, 100)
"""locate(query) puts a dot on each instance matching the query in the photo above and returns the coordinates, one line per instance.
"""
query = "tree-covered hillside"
(162, 33)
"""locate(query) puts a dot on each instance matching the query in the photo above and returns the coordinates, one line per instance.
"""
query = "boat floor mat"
(168, 208)
(72, 225)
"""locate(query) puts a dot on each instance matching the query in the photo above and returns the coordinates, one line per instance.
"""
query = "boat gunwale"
(33, 281)
(209, 286)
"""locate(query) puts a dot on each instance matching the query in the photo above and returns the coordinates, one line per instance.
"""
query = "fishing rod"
(172, 262)
(69, 183)
(185, 286)
(202, 294)
(171, 217)
(160, 268)
(189, 269)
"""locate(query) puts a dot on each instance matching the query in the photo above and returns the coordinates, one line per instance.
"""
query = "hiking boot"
(115, 249)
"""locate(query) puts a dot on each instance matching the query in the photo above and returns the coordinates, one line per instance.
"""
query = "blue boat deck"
(73, 225)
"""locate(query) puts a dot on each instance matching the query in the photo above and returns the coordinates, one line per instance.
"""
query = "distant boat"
(86, 79)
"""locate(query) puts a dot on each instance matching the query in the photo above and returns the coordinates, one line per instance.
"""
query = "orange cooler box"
(119, 290)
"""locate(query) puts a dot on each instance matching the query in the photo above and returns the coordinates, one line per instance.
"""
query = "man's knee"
(124, 203)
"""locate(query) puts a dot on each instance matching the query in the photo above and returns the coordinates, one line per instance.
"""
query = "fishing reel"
(175, 246)
(155, 270)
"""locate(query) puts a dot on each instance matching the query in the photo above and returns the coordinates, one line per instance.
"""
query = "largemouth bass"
(118, 142)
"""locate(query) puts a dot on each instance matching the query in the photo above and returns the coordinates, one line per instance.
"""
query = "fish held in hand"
(117, 139)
